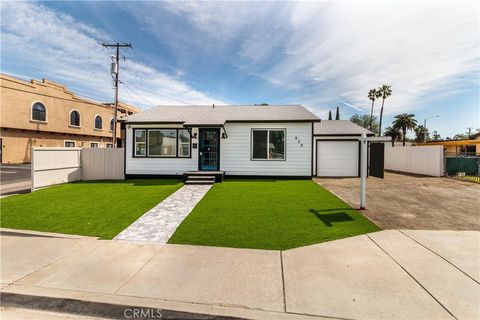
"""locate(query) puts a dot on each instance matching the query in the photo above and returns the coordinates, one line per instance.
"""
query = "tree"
(337, 115)
(363, 120)
(393, 133)
(329, 114)
(421, 133)
(385, 92)
(435, 136)
(405, 121)
(460, 136)
(373, 94)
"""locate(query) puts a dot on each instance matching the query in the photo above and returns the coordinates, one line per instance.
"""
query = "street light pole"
(425, 126)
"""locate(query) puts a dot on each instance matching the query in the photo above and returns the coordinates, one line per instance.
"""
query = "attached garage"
(337, 149)
(337, 158)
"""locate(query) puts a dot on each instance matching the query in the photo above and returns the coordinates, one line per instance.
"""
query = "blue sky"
(319, 54)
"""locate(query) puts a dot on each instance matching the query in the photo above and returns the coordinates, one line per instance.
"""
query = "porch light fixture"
(224, 133)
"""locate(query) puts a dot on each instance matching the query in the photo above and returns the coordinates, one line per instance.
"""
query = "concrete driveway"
(413, 202)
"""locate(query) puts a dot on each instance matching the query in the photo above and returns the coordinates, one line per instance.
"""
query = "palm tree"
(385, 92)
(421, 132)
(373, 94)
(393, 133)
(405, 121)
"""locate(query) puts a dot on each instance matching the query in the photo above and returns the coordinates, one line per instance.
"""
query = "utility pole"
(116, 69)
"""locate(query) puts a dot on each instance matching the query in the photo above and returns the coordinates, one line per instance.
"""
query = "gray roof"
(339, 127)
(218, 115)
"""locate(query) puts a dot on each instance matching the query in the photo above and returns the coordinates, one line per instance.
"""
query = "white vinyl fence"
(426, 160)
(60, 165)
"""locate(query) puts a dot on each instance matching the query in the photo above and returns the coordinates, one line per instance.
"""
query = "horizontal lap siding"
(235, 151)
(158, 166)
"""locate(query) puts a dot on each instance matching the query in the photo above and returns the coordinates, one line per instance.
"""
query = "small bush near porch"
(269, 214)
(90, 208)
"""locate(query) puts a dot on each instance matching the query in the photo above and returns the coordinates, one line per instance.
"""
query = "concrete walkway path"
(391, 274)
(158, 224)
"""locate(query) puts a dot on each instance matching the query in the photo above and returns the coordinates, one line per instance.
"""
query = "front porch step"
(200, 182)
(215, 176)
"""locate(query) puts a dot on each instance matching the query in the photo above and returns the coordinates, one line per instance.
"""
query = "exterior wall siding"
(235, 153)
(157, 166)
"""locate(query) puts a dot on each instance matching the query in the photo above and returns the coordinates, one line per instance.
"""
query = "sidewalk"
(384, 275)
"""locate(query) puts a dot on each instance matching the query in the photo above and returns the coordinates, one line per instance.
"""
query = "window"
(268, 144)
(140, 143)
(183, 143)
(109, 145)
(75, 118)
(39, 112)
(162, 142)
(93, 144)
(69, 144)
(111, 124)
(98, 122)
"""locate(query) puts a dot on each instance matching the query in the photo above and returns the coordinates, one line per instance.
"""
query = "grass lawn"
(91, 208)
(269, 214)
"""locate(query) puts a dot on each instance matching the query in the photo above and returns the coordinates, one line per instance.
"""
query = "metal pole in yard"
(363, 170)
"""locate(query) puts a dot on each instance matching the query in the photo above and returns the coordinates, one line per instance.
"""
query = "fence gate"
(377, 160)
(463, 166)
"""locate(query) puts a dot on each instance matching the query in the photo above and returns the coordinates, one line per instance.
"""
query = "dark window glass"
(259, 141)
(69, 144)
(94, 145)
(98, 122)
(140, 143)
(111, 125)
(39, 112)
(75, 118)
(276, 145)
(183, 143)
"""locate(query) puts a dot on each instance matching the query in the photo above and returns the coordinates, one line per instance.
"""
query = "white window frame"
(94, 142)
(268, 141)
(162, 156)
(135, 143)
(95, 122)
(70, 118)
(108, 145)
(109, 126)
(65, 141)
(31, 112)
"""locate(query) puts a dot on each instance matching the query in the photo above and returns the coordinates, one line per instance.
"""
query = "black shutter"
(377, 159)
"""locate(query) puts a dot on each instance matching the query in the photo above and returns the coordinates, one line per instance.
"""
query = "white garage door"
(337, 158)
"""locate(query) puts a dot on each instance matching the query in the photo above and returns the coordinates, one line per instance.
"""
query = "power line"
(158, 94)
(145, 99)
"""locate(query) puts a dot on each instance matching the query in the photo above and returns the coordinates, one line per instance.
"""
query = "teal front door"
(209, 150)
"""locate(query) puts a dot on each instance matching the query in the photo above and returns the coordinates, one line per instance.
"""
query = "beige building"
(46, 114)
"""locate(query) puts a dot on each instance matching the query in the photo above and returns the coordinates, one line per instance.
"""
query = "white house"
(272, 141)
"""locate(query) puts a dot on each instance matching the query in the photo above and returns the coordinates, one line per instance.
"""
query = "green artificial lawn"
(92, 208)
(269, 214)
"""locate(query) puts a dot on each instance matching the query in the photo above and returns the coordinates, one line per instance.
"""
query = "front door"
(209, 150)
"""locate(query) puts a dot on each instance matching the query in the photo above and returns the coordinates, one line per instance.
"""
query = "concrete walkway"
(391, 274)
(158, 224)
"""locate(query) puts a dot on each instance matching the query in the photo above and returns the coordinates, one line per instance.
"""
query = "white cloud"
(64, 49)
(326, 51)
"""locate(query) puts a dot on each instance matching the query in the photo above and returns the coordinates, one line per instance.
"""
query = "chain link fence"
(463, 166)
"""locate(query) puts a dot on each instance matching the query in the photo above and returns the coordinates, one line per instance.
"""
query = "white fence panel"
(55, 165)
(426, 160)
(102, 164)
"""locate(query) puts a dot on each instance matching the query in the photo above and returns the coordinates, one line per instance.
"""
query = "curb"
(99, 309)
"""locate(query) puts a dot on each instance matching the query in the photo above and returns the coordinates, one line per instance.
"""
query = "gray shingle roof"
(339, 127)
(218, 115)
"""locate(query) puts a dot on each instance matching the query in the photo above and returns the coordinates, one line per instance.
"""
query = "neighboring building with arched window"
(46, 114)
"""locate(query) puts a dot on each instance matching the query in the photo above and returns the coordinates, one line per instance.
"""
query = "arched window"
(75, 118)
(98, 122)
(111, 124)
(39, 112)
